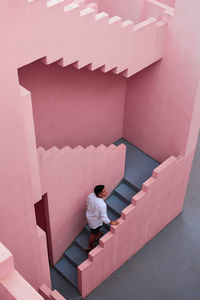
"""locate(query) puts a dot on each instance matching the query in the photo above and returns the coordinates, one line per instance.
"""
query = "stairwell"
(139, 167)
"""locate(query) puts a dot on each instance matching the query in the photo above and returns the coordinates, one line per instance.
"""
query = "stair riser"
(71, 261)
(117, 214)
(80, 246)
(131, 185)
(71, 282)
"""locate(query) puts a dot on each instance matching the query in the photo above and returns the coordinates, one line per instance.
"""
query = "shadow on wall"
(74, 107)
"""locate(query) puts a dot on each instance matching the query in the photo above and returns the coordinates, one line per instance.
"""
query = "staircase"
(139, 167)
(97, 41)
(73, 32)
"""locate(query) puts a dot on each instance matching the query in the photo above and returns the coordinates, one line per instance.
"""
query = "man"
(97, 214)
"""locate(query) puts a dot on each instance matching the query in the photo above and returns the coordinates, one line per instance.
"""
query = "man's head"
(100, 191)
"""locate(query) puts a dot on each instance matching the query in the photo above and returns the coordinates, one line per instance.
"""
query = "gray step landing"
(139, 165)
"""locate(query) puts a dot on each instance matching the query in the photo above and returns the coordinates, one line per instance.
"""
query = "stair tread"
(75, 255)
(68, 271)
(82, 239)
(116, 203)
(111, 215)
(126, 191)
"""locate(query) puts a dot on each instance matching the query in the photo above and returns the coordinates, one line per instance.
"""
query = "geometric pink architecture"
(77, 76)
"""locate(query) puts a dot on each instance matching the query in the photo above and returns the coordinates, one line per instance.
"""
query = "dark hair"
(98, 189)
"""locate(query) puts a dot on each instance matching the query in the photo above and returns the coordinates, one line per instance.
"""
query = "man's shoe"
(89, 248)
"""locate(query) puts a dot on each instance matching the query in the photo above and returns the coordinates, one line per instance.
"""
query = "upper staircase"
(97, 41)
(73, 32)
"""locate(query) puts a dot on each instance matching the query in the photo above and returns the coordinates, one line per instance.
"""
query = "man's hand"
(114, 223)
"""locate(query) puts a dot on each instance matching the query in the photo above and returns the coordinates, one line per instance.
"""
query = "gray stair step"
(75, 255)
(131, 185)
(82, 240)
(115, 204)
(68, 271)
(126, 192)
(112, 216)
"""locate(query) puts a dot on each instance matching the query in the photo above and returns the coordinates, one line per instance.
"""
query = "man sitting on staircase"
(97, 214)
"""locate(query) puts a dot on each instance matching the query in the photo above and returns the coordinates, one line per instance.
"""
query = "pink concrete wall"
(12, 284)
(163, 99)
(84, 37)
(169, 2)
(44, 261)
(15, 287)
(127, 9)
(6, 261)
(48, 294)
(158, 203)
(160, 100)
(68, 176)
(19, 184)
(72, 107)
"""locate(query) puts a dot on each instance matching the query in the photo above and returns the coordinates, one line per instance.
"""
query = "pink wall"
(48, 294)
(151, 210)
(12, 284)
(68, 176)
(160, 100)
(127, 9)
(85, 38)
(169, 2)
(160, 116)
(44, 261)
(74, 107)
(19, 184)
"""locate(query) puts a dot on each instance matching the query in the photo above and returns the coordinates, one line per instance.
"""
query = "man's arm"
(104, 217)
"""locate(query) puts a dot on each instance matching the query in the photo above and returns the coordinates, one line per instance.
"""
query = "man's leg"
(98, 235)
(91, 242)
(94, 236)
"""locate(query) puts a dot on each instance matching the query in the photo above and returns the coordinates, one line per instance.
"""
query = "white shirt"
(96, 211)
